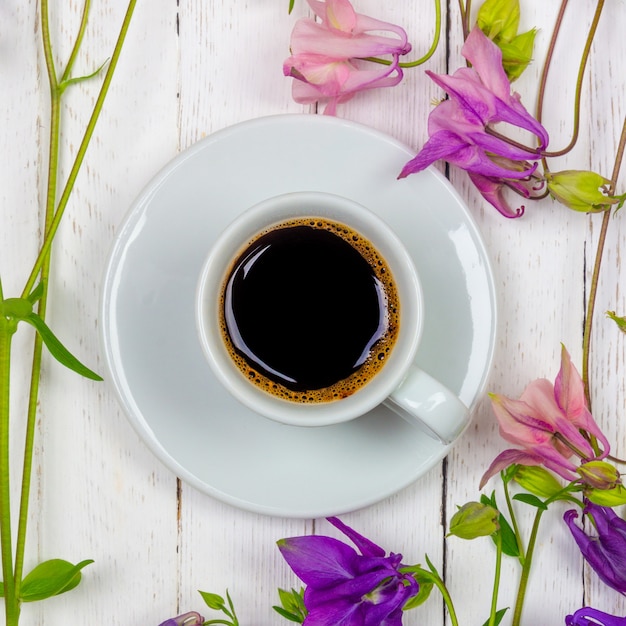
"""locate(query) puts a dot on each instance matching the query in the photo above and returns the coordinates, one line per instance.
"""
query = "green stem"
(595, 278)
(11, 602)
(431, 51)
(78, 42)
(435, 42)
(65, 195)
(523, 583)
(579, 78)
(445, 594)
(518, 536)
(31, 416)
(41, 267)
(496, 580)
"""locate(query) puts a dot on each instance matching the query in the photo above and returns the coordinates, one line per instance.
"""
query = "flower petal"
(365, 545)
(486, 58)
(319, 562)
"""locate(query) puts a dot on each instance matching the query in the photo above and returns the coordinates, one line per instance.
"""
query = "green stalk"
(579, 79)
(41, 269)
(11, 603)
(431, 51)
(31, 417)
(496, 580)
(595, 279)
(523, 583)
(65, 195)
(518, 536)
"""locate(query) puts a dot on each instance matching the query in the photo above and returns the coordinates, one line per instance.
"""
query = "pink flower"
(551, 423)
(458, 128)
(325, 55)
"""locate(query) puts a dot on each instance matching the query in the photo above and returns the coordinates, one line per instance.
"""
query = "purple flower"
(186, 619)
(345, 588)
(599, 618)
(606, 552)
(459, 128)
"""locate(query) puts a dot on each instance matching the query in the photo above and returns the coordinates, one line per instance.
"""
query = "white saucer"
(156, 364)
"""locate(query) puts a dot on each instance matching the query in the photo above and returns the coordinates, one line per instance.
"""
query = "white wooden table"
(189, 69)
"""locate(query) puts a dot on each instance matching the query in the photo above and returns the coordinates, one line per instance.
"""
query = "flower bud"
(517, 54)
(499, 19)
(474, 519)
(615, 496)
(599, 475)
(581, 190)
(537, 480)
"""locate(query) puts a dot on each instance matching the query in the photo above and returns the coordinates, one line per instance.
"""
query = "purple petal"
(600, 619)
(365, 545)
(491, 190)
(442, 145)
(319, 562)
(605, 553)
(352, 589)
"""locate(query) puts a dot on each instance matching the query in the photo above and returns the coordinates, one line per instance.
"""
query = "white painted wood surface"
(191, 68)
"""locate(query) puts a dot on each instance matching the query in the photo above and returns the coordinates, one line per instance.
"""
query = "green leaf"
(509, 540)
(530, 499)
(213, 600)
(80, 79)
(35, 294)
(499, 617)
(420, 598)
(620, 321)
(51, 578)
(57, 349)
(507, 535)
(291, 3)
(292, 617)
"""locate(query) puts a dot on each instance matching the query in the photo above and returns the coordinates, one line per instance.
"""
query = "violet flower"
(549, 422)
(186, 619)
(325, 54)
(599, 618)
(345, 588)
(605, 552)
(459, 128)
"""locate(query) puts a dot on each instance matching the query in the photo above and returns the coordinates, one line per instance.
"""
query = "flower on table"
(461, 130)
(598, 618)
(550, 423)
(186, 619)
(606, 550)
(326, 55)
(347, 588)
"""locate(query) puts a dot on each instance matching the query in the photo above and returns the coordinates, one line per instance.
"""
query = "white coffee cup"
(400, 384)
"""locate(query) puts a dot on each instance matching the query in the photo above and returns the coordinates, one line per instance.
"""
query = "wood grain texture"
(187, 70)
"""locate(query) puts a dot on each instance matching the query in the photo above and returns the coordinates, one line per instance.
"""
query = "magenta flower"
(458, 128)
(551, 423)
(345, 588)
(325, 55)
(598, 618)
(605, 552)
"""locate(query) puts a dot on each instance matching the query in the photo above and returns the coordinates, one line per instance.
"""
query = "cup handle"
(425, 402)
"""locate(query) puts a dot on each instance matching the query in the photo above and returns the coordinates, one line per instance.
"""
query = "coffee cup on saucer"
(309, 310)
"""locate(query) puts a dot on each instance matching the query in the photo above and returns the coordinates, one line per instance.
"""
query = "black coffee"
(309, 310)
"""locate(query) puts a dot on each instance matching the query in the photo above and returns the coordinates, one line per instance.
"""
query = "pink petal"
(506, 458)
(491, 190)
(520, 423)
(486, 58)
